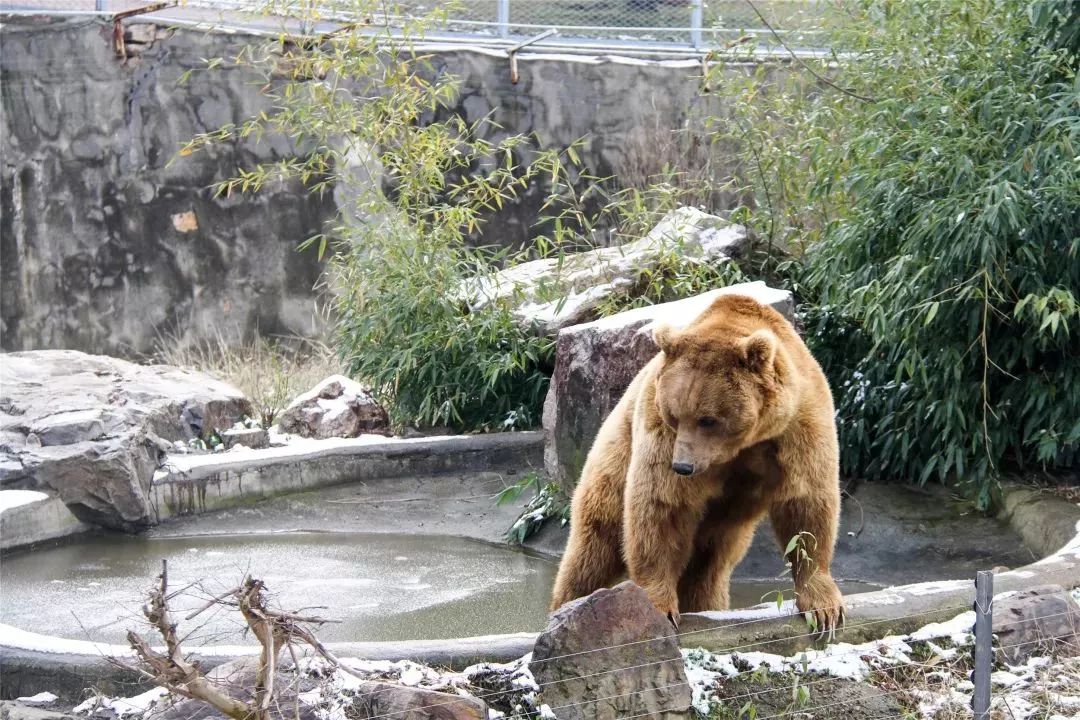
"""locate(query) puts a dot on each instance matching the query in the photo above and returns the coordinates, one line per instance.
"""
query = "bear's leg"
(593, 557)
(718, 548)
(658, 537)
(592, 561)
(814, 518)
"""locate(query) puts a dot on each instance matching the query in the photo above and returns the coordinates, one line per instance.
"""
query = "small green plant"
(549, 503)
(512, 492)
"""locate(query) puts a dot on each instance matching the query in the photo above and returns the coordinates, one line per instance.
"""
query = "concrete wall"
(623, 110)
(106, 246)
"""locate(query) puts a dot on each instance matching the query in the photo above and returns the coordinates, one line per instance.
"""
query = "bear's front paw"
(667, 603)
(821, 600)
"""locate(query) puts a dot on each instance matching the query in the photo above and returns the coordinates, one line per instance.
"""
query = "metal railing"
(691, 23)
(672, 25)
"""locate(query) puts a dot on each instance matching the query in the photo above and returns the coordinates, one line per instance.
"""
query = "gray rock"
(595, 362)
(91, 429)
(254, 438)
(1036, 621)
(558, 292)
(387, 700)
(336, 407)
(611, 655)
(11, 710)
(370, 698)
(237, 678)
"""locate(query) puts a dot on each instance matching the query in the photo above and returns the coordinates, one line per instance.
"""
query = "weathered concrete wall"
(106, 245)
(622, 110)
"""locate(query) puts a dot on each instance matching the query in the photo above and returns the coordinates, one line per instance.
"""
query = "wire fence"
(678, 25)
(895, 669)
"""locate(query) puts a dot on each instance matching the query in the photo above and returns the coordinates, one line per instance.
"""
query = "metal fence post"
(984, 644)
(695, 23)
(503, 17)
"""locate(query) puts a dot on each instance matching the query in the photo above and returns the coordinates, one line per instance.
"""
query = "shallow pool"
(378, 586)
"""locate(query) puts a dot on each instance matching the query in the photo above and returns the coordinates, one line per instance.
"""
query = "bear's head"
(720, 392)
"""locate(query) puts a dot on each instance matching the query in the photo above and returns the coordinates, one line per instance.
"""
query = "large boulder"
(1036, 621)
(306, 697)
(336, 407)
(595, 362)
(611, 655)
(12, 710)
(554, 293)
(374, 699)
(92, 429)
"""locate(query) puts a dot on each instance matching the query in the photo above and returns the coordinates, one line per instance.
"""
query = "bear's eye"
(706, 422)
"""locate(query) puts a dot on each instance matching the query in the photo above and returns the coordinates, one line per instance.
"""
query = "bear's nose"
(683, 468)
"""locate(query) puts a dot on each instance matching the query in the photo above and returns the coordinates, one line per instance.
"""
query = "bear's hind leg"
(718, 548)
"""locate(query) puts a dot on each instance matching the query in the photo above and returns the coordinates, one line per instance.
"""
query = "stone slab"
(40, 521)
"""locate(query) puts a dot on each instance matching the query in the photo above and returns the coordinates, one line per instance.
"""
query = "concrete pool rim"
(194, 484)
(40, 662)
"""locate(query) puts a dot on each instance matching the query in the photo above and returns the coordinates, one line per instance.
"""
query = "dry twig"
(273, 629)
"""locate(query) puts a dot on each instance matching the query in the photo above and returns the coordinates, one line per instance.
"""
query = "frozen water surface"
(379, 586)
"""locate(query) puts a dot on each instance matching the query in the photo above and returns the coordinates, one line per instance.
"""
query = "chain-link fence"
(693, 22)
(666, 24)
(104, 7)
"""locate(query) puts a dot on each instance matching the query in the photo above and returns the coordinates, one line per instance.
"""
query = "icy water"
(380, 587)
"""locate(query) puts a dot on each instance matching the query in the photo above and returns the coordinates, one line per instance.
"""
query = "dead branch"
(270, 635)
(173, 671)
(273, 629)
(219, 600)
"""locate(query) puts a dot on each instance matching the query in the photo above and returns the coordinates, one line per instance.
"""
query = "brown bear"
(732, 420)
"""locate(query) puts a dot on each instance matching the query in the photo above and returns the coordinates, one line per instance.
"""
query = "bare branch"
(274, 630)
(796, 58)
(173, 671)
(220, 599)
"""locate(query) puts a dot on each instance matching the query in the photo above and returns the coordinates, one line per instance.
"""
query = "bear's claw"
(823, 605)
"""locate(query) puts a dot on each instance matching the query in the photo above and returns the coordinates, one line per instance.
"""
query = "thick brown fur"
(737, 399)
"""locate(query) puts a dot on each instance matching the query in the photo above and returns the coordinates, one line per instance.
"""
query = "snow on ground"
(133, 707)
(42, 698)
(1021, 692)
(512, 683)
(14, 498)
(1042, 687)
(706, 670)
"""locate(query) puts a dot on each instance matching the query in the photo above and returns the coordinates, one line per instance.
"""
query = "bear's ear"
(759, 350)
(666, 338)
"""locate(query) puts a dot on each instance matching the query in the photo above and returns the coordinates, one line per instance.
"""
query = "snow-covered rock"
(554, 293)
(42, 698)
(336, 407)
